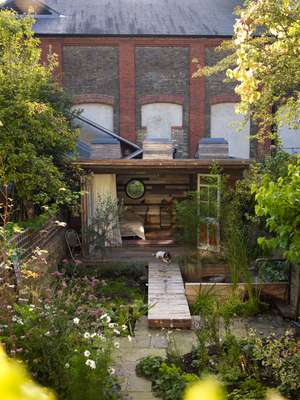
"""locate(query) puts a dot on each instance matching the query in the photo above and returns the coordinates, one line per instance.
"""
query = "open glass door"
(209, 199)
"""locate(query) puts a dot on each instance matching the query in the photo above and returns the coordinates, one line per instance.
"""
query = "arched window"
(159, 118)
(101, 114)
(225, 124)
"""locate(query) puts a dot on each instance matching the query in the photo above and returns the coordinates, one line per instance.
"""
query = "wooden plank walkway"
(166, 297)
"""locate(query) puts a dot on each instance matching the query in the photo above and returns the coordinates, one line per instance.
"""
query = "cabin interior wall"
(161, 193)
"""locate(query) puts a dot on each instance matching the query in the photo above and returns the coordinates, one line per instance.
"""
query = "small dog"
(164, 256)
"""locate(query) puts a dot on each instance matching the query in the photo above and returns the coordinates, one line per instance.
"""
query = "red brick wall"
(127, 78)
(127, 90)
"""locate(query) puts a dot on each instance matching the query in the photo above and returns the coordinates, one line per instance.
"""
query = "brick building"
(128, 65)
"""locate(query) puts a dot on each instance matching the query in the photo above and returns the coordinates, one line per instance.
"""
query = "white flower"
(76, 321)
(111, 325)
(129, 338)
(17, 320)
(117, 345)
(87, 354)
(67, 365)
(108, 319)
(116, 332)
(47, 333)
(90, 363)
(111, 371)
(103, 316)
(124, 327)
(102, 337)
(86, 335)
(93, 335)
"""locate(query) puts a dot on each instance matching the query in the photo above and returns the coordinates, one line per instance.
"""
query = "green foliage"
(131, 270)
(236, 247)
(279, 359)
(248, 390)
(168, 380)
(149, 367)
(240, 226)
(211, 309)
(119, 286)
(271, 271)
(66, 340)
(103, 227)
(263, 60)
(187, 220)
(278, 201)
(35, 132)
(248, 367)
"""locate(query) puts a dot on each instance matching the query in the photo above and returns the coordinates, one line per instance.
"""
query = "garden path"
(168, 306)
(155, 342)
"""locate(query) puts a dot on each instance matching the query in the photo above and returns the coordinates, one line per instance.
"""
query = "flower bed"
(67, 335)
(246, 367)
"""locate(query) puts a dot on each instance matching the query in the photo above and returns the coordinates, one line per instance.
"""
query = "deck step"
(168, 306)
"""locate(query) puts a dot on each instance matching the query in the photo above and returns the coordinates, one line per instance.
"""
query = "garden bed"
(66, 334)
(210, 273)
(272, 290)
(247, 368)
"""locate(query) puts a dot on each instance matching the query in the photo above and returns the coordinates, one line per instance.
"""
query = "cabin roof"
(208, 18)
(170, 166)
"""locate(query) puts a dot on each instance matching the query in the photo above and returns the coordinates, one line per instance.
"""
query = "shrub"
(279, 360)
(66, 341)
(149, 367)
(168, 380)
(250, 389)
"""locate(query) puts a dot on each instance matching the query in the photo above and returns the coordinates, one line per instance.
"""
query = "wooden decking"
(166, 297)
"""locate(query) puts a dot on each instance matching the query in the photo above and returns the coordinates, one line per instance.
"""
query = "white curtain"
(105, 185)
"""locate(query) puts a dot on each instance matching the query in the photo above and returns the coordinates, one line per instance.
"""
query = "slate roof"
(140, 17)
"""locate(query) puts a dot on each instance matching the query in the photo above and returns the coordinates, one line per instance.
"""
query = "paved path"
(146, 342)
(155, 342)
(166, 297)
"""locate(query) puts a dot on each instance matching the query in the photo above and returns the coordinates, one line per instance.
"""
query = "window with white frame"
(101, 114)
(209, 202)
(159, 118)
(225, 123)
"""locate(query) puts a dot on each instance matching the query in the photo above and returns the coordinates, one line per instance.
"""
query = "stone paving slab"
(156, 341)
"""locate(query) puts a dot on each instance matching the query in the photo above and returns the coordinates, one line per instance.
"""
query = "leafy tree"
(278, 200)
(263, 59)
(35, 130)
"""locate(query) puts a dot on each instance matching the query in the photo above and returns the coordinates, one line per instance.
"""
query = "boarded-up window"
(159, 118)
(102, 114)
(225, 123)
(290, 138)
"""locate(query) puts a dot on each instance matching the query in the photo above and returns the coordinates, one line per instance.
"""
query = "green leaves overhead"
(35, 114)
(263, 59)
